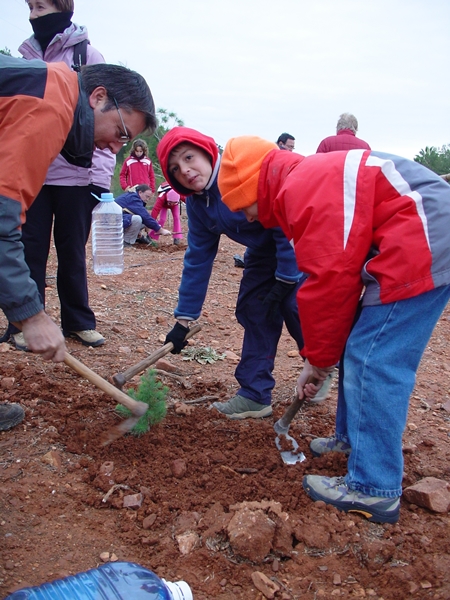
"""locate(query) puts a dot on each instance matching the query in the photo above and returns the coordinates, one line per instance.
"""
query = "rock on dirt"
(431, 493)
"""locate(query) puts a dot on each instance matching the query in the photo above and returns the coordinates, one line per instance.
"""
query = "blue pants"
(377, 375)
(68, 210)
(261, 334)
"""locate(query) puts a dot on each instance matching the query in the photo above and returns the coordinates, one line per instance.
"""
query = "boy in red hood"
(190, 162)
(361, 222)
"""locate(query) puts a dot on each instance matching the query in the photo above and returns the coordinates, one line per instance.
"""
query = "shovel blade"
(289, 457)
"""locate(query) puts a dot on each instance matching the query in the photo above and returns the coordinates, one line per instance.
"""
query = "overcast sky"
(261, 67)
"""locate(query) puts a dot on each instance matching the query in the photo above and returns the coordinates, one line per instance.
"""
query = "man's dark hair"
(142, 187)
(127, 87)
(284, 137)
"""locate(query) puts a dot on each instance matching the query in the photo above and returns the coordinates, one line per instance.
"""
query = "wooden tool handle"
(136, 407)
(292, 410)
(121, 378)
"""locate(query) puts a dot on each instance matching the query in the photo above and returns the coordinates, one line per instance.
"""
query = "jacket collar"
(79, 146)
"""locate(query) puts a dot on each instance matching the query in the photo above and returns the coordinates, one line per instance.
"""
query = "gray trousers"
(130, 233)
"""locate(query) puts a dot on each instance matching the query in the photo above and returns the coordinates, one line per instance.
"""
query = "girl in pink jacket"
(168, 199)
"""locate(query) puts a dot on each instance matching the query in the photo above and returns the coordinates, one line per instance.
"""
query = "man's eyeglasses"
(124, 136)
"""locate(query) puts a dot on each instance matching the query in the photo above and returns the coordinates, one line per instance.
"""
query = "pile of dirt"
(200, 497)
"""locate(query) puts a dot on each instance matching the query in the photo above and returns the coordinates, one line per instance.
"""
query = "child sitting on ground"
(136, 217)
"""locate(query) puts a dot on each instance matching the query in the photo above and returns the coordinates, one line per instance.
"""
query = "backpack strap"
(79, 55)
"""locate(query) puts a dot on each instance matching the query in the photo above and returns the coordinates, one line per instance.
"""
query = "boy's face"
(190, 166)
(251, 212)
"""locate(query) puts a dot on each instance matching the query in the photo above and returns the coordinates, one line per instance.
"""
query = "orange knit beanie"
(239, 170)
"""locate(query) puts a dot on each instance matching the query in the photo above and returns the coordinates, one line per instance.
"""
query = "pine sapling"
(152, 392)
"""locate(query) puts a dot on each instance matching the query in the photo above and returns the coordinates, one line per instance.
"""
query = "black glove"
(274, 298)
(176, 336)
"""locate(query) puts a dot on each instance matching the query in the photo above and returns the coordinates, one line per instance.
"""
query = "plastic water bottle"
(107, 236)
(113, 581)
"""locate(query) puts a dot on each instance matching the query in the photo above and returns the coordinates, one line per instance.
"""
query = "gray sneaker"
(324, 391)
(88, 337)
(321, 446)
(10, 416)
(334, 491)
(239, 407)
(18, 341)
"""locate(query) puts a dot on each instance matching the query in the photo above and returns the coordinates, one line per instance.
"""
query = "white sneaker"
(88, 337)
(324, 391)
(18, 340)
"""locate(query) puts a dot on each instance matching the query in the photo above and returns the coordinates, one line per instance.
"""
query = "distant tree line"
(436, 159)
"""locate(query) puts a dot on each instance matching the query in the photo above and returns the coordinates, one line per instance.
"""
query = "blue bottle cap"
(107, 197)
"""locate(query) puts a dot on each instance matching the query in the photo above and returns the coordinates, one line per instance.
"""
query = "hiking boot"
(324, 391)
(321, 446)
(18, 341)
(10, 416)
(88, 337)
(239, 407)
(238, 261)
(334, 491)
(127, 245)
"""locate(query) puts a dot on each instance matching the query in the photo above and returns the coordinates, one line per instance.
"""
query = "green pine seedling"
(153, 393)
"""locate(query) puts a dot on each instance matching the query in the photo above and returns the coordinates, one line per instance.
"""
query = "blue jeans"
(377, 375)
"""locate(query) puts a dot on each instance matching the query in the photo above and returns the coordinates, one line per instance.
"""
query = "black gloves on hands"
(176, 336)
(276, 295)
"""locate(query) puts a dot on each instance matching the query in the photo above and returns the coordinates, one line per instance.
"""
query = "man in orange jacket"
(45, 109)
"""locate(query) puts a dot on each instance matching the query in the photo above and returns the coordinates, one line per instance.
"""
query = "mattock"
(137, 408)
(121, 378)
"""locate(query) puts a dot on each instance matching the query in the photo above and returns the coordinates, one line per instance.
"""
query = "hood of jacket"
(274, 170)
(174, 138)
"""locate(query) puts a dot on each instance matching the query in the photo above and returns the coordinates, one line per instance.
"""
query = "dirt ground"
(196, 468)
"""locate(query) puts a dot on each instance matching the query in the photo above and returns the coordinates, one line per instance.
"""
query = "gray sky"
(262, 67)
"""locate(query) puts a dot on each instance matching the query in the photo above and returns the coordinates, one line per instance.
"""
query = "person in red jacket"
(137, 168)
(345, 138)
(372, 232)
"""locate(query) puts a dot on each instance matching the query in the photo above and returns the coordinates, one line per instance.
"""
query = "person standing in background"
(286, 141)
(66, 187)
(345, 138)
(137, 169)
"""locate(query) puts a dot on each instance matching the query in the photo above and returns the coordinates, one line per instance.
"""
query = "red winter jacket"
(356, 219)
(137, 171)
(344, 140)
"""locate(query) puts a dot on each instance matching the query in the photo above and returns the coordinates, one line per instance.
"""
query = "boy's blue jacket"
(131, 201)
(208, 219)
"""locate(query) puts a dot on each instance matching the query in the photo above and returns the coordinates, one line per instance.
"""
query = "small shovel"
(281, 427)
